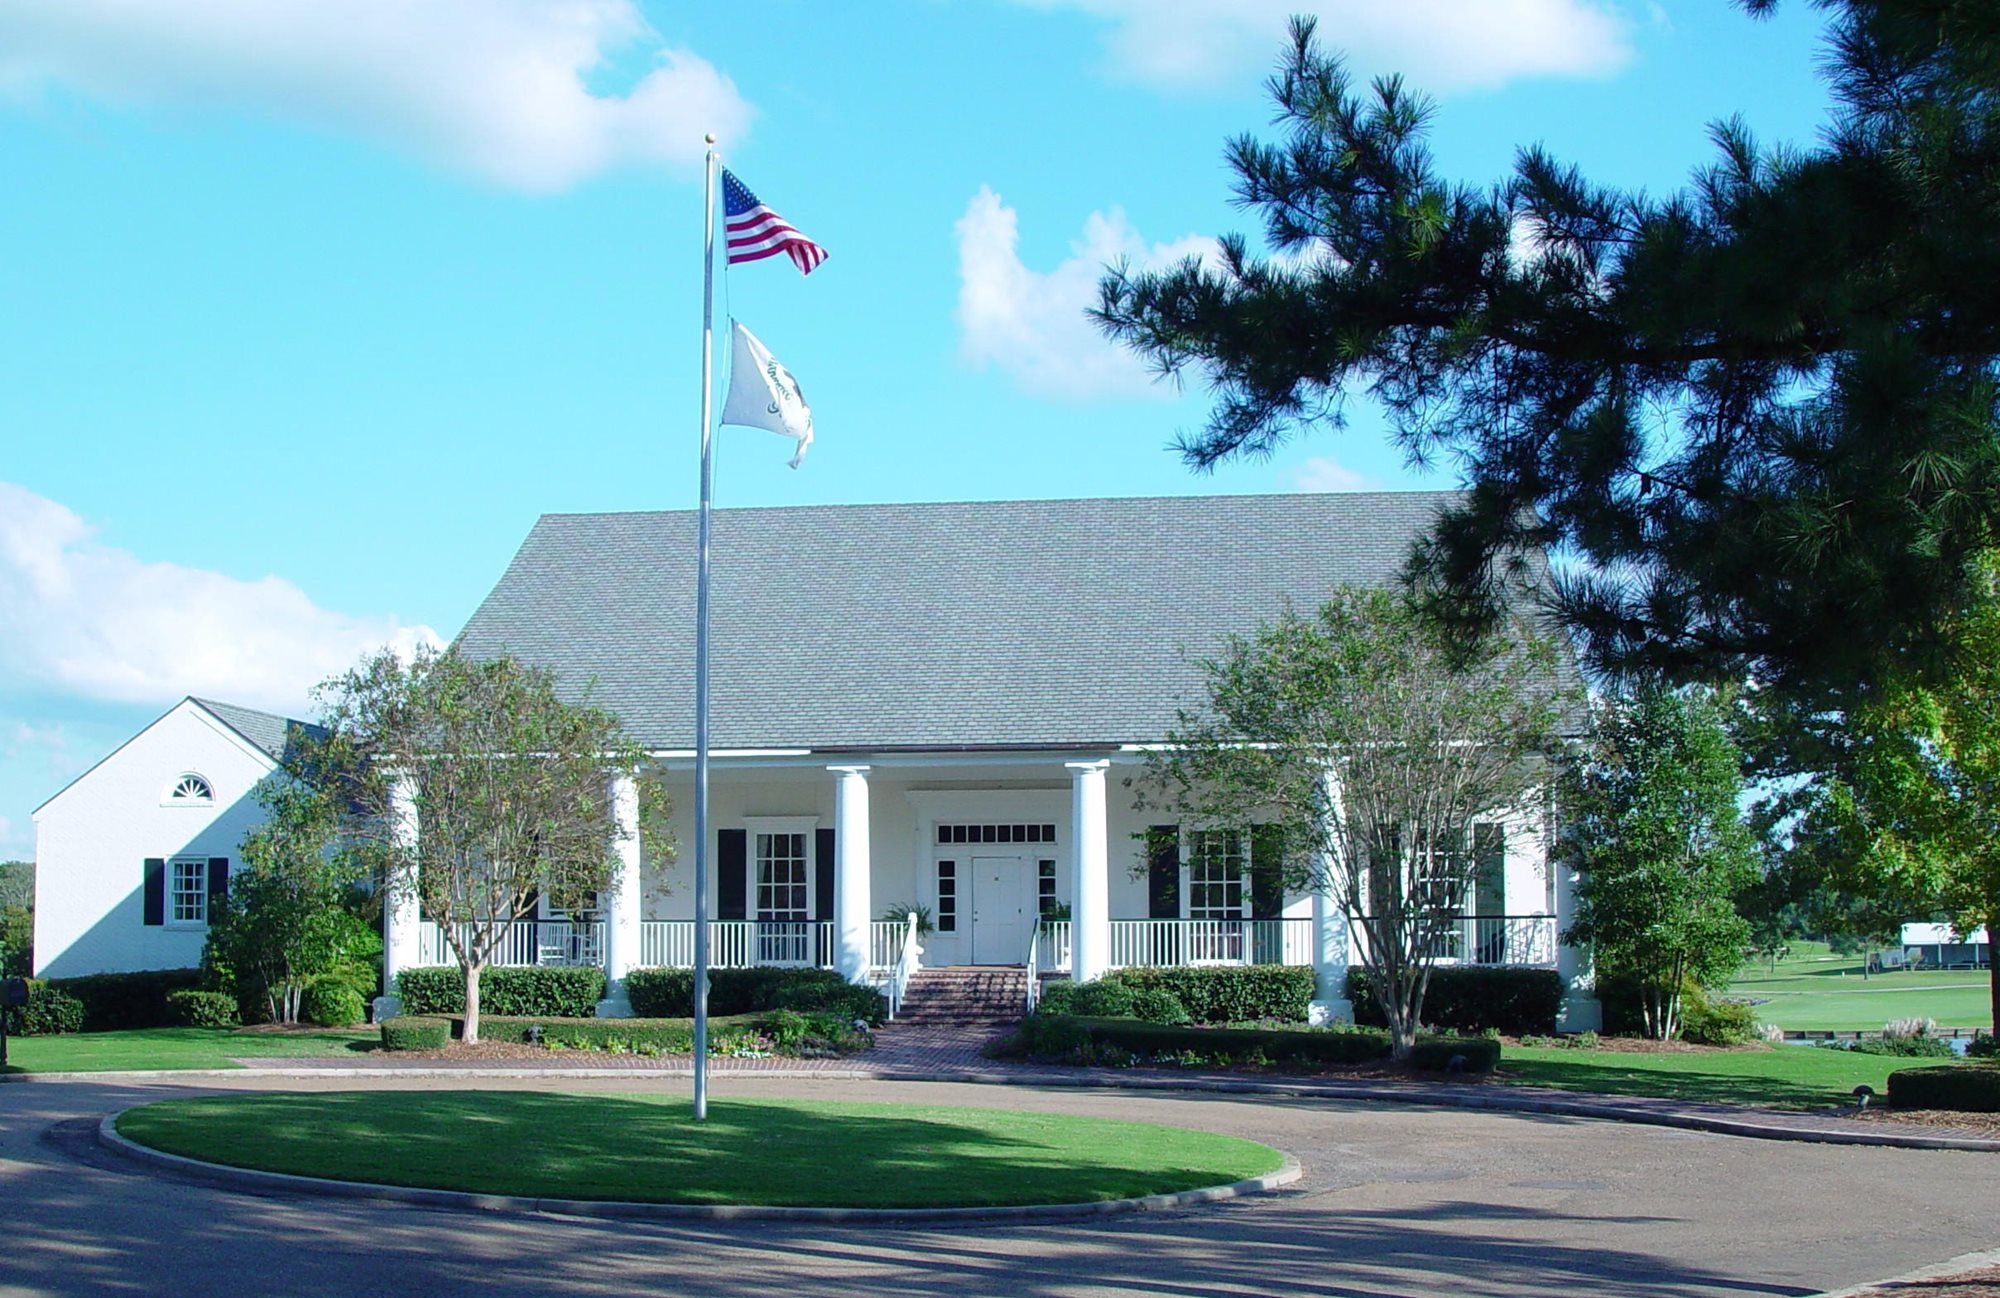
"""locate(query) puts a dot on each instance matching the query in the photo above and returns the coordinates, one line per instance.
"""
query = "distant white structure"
(1941, 946)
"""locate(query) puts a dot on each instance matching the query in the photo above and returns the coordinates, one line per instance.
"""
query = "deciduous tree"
(1359, 736)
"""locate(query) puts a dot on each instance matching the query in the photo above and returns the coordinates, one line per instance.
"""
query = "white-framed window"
(189, 789)
(947, 896)
(187, 890)
(783, 890)
(1218, 872)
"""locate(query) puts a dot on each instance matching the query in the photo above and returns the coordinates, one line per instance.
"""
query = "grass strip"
(647, 1149)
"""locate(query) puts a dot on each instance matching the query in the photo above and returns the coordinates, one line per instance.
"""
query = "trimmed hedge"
(555, 991)
(1078, 1037)
(1471, 998)
(332, 1003)
(115, 1001)
(1718, 1023)
(415, 1032)
(669, 993)
(779, 1031)
(199, 1009)
(1107, 1000)
(1229, 993)
(49, 1012)
(1967, 1088)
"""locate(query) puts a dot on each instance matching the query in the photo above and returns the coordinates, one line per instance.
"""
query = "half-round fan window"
(191, 788)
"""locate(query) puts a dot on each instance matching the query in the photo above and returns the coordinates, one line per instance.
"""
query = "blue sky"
(307, 309)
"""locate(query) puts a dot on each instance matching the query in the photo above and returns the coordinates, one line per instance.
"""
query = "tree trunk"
(1993, 965)
(472, 1003)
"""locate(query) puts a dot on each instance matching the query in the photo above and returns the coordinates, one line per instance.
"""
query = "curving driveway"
(1396, 1200)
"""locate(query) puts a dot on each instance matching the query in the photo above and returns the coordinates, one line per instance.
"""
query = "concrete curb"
(1963, 1262)
(1497, 1099)
(242, 1178)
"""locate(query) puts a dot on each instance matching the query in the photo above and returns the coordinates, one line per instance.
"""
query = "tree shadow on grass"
(1693, 1084)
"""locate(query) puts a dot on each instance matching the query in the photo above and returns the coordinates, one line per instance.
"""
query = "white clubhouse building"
(935, 706)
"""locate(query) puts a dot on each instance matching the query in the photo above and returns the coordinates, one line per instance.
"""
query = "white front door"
(1003, 909)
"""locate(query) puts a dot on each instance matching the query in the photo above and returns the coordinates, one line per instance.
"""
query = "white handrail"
(906, 964)
(1034, 973)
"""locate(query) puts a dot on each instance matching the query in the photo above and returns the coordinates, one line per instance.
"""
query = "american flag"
(755, 231)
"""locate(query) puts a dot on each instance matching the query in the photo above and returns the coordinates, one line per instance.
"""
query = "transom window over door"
(784, 933)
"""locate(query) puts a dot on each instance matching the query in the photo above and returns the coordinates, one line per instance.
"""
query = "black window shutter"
(218, 884)
(823, 846)
(155, 890)
(1163, 872)
(1267, 874)
(732, 878)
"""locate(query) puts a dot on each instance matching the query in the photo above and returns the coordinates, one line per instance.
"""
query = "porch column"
(402, 914)
(1333, 947)
(1090, 936)
(621, 901)
(1580, 1010)
(853, 913)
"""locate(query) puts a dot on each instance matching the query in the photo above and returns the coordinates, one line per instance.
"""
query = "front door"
(1003, 909)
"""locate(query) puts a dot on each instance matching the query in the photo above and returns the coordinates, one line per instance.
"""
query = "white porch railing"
(524, 943)
(1153, 943)
(1489, 939)
(1055, 940)
(885, 943)
(737, 944)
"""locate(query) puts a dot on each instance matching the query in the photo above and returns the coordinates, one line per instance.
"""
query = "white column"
(622, 900)
(1090, 934)
(1580, 1010)
(402, 914)
(1333, 947)
(853, 913)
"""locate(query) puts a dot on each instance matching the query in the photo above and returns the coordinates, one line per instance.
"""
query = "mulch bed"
(1983, 1283)
(1945, 1122)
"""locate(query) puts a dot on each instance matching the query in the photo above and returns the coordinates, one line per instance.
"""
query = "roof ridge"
(1412, 495)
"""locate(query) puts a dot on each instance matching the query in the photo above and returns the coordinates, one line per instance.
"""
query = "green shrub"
(415, 1032)
(1057, 998)
(1968, 1088)
(1102, 1000)
(1984, 1045)
(49, 1012)
(115, 1001)
(554, 991)
(1230, 993)
(331, 1002)
(1471, 998)
(1717, 1023)
(1456, 1054)
(671, 1036)
(1920, 1047)
(669, 993)
(1157, 1005)
(195, 1008)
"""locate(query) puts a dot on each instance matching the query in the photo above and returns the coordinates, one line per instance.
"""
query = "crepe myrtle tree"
(508, 785)
(1370, 745)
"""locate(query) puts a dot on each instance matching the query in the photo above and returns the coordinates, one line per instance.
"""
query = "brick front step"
(976, 995)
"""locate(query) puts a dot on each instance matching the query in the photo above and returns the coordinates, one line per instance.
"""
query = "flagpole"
(701, 647)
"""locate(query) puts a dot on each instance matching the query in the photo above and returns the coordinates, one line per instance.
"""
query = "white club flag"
(763, 393)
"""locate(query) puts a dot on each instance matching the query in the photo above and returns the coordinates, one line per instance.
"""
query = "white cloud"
(1030, 324)
(87, 619)
(1323, 473)
(1440, 45)
(492, 87)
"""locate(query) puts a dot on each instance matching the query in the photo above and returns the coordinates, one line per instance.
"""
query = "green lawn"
(146, 1048)
(1786, 1077)
(630, 1147)
(1813, 990)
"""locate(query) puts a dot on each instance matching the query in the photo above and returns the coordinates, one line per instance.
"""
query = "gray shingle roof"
(1036, 623)
(267, 731)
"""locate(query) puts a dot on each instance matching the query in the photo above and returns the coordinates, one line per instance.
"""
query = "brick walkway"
(940, 1052)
